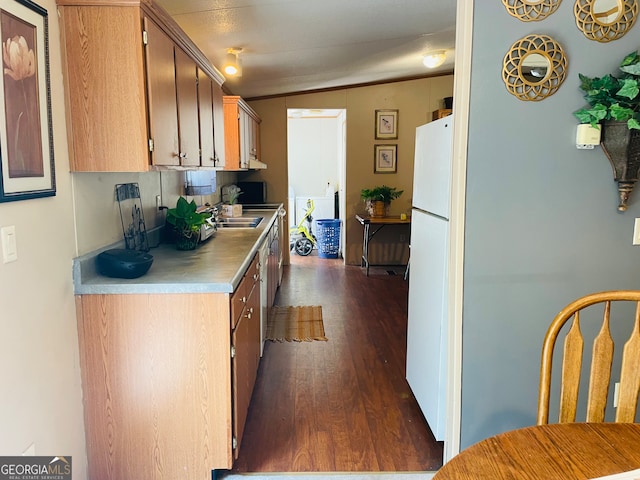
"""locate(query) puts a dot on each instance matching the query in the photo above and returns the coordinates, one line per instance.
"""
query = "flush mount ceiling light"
(434, 59)
(232, 65)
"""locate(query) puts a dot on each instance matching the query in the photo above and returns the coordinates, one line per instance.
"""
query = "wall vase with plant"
(614, 106)
(378, 199)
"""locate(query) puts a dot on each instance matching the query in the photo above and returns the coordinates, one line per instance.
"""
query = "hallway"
(342, 405)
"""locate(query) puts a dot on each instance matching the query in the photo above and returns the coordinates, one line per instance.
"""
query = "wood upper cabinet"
(187, 92)
(173, 101)
(211, 122)
(242, 133)
(163, 108)
(205, 115)
(131, 87)
(218, 122)
(103, 66)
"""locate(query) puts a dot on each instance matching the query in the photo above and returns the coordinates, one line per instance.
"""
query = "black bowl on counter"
(123, 263)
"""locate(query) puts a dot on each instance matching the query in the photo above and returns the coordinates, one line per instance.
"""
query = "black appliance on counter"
(253, 193)
(123, 263)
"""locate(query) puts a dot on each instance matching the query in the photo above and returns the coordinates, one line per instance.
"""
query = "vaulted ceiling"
(299, 45)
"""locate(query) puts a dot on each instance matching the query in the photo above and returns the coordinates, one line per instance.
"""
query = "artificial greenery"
(184, 219)
(234, 194)
(381, 193)
(613, 98)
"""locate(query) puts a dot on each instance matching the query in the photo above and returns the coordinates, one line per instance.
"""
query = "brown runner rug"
(298, 324)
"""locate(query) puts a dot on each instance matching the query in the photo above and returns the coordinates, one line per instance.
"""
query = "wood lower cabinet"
(245, 347)
(131, 87)
(273, 262)
(245, 340)
(166, 381)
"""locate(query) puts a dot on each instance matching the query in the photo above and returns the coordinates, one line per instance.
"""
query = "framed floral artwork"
(386, 124)
(385, 159)
(26, 136)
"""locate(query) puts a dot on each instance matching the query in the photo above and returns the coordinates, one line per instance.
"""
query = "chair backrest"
(601, 362)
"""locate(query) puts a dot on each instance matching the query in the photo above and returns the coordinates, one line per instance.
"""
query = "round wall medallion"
(534, 68)
(605, 20)
(531, 10)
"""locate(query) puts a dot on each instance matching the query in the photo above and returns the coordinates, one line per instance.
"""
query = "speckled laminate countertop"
(216, 266)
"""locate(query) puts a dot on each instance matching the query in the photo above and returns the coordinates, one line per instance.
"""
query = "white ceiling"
(298, 45)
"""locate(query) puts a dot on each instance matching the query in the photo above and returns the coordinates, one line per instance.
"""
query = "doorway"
(316, 151)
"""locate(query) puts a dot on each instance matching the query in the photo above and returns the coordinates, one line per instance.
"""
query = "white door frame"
(461, 94)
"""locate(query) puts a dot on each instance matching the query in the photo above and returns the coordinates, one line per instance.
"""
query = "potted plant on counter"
(614, 106)
(232, 208)
(378, 199)
(186, 222)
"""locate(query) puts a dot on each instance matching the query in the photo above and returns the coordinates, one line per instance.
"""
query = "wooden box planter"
(377, 208)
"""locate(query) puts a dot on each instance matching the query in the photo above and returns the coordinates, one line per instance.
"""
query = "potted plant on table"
(614, 107)
(378, 199)
(186, 222)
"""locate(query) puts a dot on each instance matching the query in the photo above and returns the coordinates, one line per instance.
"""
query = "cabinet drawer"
(241, 294)
(238, 301)
(253, 272)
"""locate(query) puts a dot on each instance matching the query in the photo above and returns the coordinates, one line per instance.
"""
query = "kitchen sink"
(239, 222)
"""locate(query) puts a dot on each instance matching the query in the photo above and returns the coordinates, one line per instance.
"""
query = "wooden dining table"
(564, 451)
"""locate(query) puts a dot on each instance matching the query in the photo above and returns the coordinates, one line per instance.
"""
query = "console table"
(379, 223)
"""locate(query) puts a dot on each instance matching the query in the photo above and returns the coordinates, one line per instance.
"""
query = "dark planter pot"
(622, 148)
(185, 242)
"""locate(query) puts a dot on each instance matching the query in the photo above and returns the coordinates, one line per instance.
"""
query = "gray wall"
(541, 221)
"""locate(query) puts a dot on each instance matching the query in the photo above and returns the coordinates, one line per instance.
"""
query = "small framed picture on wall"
(385, 159)
(386, 124)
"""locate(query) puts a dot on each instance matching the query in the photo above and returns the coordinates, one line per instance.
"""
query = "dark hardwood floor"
(342, 405)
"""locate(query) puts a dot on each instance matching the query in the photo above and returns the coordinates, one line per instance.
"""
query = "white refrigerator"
(427, 328)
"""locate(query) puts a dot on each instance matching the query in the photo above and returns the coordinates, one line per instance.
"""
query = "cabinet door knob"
(244, 300)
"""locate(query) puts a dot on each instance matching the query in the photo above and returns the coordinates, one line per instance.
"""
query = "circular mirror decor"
(605, 20)
(531, 10)
(534, 68)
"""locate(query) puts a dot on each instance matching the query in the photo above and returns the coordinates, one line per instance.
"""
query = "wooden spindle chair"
(601, 363)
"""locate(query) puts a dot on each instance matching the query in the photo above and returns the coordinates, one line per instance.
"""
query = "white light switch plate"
(636, 232)
(9, 247)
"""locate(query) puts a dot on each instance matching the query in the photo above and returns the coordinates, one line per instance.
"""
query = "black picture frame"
(27, 165)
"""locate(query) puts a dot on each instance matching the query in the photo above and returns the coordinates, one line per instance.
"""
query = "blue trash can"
(328, 237)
